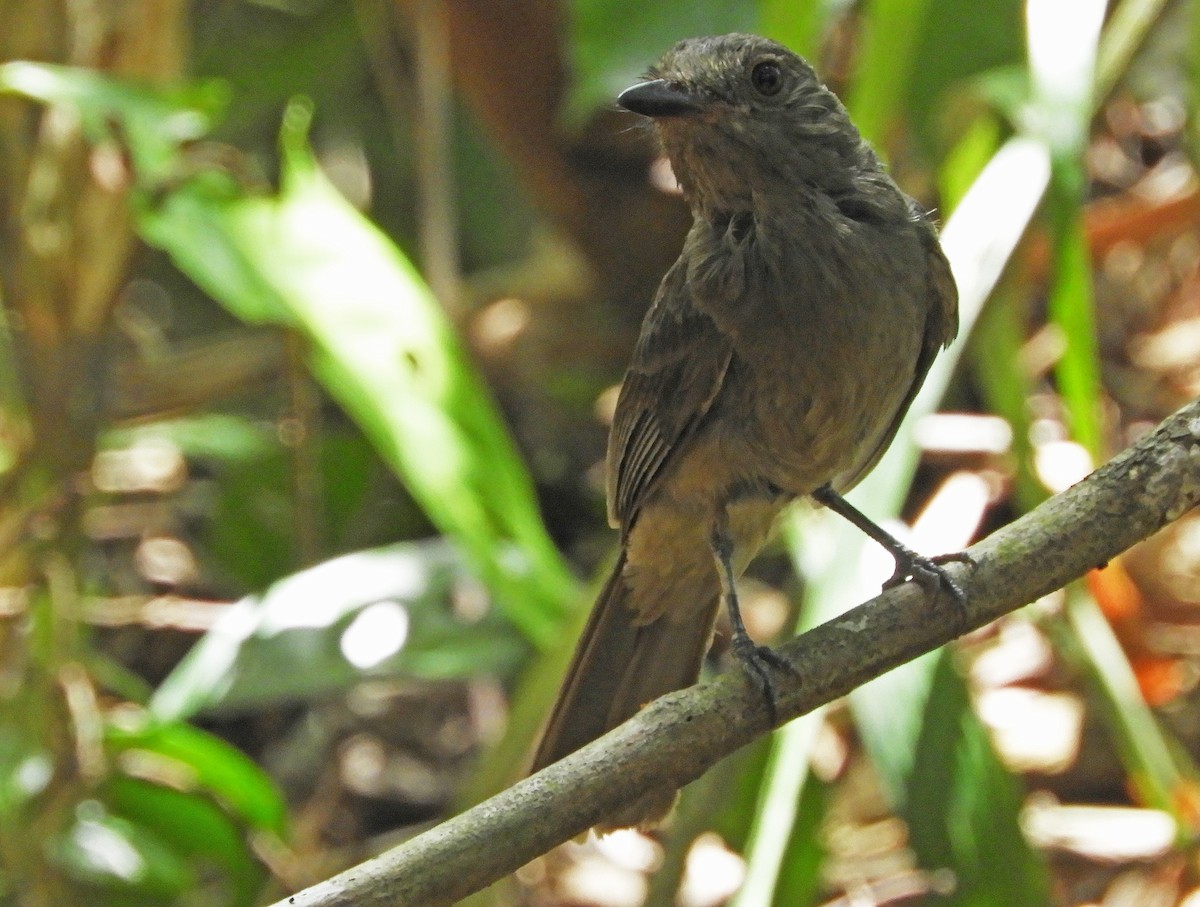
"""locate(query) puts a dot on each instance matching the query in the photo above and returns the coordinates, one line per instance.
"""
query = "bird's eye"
(767, 78)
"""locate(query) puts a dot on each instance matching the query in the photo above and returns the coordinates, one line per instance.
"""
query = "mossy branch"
(680, 736)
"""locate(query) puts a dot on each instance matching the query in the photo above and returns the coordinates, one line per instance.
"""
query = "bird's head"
(739, 114)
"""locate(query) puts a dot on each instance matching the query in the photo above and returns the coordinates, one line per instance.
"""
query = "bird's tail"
(621, 665)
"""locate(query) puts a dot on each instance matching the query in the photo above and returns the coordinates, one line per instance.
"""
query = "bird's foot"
(930, 574)
(760, 663)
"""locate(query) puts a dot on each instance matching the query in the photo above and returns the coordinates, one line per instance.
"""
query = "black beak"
(659, 99)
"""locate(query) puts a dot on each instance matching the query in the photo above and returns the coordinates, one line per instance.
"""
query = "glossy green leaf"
(383, 348)
(121, 861)
(211, 766)
(198, 831)
(379, 342)
(372, 613)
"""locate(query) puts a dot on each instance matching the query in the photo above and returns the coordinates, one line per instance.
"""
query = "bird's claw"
(759, 663)
(930, 574)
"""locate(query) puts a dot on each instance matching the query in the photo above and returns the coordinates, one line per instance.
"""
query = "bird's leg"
(757, 661)
(926, 572)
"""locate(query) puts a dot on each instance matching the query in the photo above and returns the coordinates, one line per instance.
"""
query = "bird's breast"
(827, 333)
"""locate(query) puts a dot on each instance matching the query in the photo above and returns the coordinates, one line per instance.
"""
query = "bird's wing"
(678, 367)
(941, 327)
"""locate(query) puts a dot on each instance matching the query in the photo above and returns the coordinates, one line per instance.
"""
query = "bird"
(776, 361)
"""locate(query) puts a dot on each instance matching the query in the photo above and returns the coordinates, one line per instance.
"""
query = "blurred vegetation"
(312, 316)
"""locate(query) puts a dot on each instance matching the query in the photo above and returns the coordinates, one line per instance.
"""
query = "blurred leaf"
(497, 220)
(963, 164)
(797, 25)
(1069, 83)
(121, 861)
(1127, 27)
(197, 831)
(891, 34)
(1063, 42)
(773, 837)
(956, 42)
(379, 342)
(1062, 46)
(217, 436)
(209, 765)
(914, 51)
(1006, 88)
(12, 394)
(384, 350)
(734, 815)
(1071, 308)
(270, 52)
(26, 769)
(915, 54)
(612, 42)
(1162, 773)
(800, 877)
(151, 123)
(996, 359)
(953, 791)
(249, 531)
(503, 762)
(249, 523)
(1063, 52)
(371, 613)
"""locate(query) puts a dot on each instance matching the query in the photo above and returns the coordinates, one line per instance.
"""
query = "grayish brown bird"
(777, 360)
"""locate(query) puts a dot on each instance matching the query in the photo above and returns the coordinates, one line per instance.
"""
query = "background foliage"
(312, 318)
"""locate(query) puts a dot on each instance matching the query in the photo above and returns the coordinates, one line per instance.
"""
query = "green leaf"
(378, 340)
(269, 52)
(891, 33)
(368, 614)
(800, 878)
(218, 436)
(1062, 62)
(781, 815)
(798, 26)
(950, 786)
(995, 358)
(915, 53)
(383, 349)
(121, 860)
(611, 44)
(1162, 773)
(151, 123)
(198, 832)
(1072, 308)
(209, 764)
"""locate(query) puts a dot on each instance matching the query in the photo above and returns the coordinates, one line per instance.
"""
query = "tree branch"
(680, 736)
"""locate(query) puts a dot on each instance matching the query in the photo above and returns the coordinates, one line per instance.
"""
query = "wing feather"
(677, 370)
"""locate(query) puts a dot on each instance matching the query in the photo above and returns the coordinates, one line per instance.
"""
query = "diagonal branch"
(680, 736)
